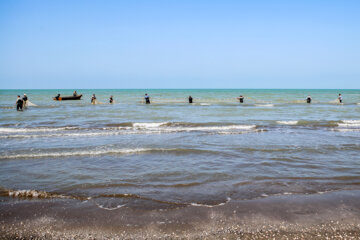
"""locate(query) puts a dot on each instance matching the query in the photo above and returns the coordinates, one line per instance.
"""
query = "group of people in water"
(190, 99)
(21, 103)
(309, 99)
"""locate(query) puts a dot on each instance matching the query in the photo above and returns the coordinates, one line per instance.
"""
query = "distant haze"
(179, 44)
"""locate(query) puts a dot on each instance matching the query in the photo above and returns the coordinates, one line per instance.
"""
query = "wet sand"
(333, 215)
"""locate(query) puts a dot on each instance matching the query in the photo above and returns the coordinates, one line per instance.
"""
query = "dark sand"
(333, 215)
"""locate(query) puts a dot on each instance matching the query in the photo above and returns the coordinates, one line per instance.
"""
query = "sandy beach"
(333, 215)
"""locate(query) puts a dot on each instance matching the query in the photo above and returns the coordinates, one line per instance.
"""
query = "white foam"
(34, 194)
(205, 104)
(215, 128)
(351, 121)
(288, 122)
(89, 134)
(148, 125)
(81, 153)
(109, 208)
(349, 124)
(264, 105)
(17, 130)
(140, 128)
(228, 199)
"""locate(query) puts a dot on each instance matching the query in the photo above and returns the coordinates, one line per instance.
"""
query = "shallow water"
(170, 152)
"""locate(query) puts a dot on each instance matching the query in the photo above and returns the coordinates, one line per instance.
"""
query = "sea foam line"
(43, 129)
(141, 128)
(83, 153)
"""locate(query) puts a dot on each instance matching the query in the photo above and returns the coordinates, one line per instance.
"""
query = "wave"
(265, 105)
(348, 126)
(81, 153)
(127, 128)
(41, 129)
(287, 122)
(310, 123)
(349, 123)
(36, 194)
(86, 152)
(149, 125)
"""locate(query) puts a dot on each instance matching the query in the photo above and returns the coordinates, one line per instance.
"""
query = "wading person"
(93, 99)
(111, 100)
(25, 99)
(147, 98)
(241, 98)
(19, 103)
(308, 99)
(190, 99)
(340, 98)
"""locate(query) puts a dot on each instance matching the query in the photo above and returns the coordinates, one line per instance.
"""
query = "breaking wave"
(348, 126)
(126, 128)
(287, 122)
(105, 151)
(82, 153)
(36, 194)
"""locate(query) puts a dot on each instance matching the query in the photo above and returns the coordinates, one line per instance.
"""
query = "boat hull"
(68, 98)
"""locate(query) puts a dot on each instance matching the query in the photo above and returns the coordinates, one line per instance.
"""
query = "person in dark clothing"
(241, 99)
(25, 99)
(19, 103)
(75, 94)
(190, 99)
(57, 96)
(147, 98)
(111, 100)
(308, 99)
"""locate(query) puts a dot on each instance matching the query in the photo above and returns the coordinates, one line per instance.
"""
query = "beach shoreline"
(316, 216)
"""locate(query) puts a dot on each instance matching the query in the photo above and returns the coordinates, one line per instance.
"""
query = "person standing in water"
(111, 100)
(308, 99)
(241, 99)
(147, 98)
(25, 99)
(19, 103)
(340, 98)
(93, 99)
(190, 99)
(75, 94)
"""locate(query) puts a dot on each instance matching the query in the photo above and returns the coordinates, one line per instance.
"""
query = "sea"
(171, 153)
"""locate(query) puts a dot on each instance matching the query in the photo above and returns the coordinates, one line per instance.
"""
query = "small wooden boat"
(59, 98)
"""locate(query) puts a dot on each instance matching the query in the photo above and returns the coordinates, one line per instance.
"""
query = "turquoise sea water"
(171, 152)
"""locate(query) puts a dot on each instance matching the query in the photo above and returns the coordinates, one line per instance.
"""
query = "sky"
(179, 44)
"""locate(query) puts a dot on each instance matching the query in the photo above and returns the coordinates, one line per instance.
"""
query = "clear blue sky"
(179, 44)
